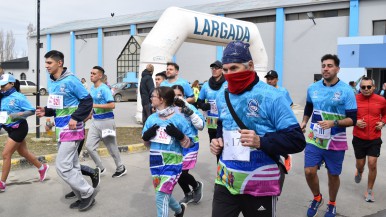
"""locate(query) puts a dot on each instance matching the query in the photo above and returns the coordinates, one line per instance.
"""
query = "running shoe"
(288, 163)
(358, 177)
(197, 192)
(96, 177)
(70, 195)
(313, 208)
(119, 174)
(2, 186)
(331, 211)
(369, 196)
(183, 208)
(43, 172)
(189, 197)
(87, 203)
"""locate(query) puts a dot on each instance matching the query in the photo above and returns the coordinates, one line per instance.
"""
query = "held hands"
(249, 138)
(172, 131)
(150, 133)
(326, 124)
(40, 112)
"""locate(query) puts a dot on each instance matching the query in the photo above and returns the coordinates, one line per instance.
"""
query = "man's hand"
(40, 112)
(303, 126)
(362, 124)
(72, 124)
(326, 124)
(249, 138)
(216, 146)
(379, 125)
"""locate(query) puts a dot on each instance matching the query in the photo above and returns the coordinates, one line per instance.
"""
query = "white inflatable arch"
(177, 25)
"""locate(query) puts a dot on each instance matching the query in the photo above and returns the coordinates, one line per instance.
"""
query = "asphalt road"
(133, 194)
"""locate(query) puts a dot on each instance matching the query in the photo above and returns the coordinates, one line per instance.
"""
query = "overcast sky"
(15, 15)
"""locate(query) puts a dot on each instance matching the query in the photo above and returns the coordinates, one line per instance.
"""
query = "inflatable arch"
(177, 25)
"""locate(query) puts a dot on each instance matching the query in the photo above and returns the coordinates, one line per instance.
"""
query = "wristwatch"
(336, 124)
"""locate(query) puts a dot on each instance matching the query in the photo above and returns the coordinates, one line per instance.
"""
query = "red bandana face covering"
(237, 82)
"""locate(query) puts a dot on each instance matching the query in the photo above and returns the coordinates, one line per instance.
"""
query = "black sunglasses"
(368, 87)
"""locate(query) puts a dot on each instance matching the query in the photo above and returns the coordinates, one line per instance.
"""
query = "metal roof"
(226, 7)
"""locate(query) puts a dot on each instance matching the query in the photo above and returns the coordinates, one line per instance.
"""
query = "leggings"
(185, 180)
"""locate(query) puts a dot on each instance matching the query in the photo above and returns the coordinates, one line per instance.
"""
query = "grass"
(125, 136)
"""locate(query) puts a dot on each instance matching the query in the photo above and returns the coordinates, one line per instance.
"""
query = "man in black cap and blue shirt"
(207, 99)
(272, 79)
(255, 126)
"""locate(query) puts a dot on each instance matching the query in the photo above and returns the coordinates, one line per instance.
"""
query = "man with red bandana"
(249, 174)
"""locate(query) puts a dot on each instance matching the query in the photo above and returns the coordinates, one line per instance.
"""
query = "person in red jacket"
(367, 133)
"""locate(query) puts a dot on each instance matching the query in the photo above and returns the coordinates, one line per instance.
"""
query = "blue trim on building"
(100, 47)
(279, 43)
(174, 59)
(49, 42)
(72, 52)
(354, 18)
(133, 29)
(349, 55)
(219, 49)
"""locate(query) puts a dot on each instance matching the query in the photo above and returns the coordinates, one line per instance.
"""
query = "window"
(22, 83)
(115, 33)
(144, 30)
(262, 19)
(128, 60)
(23, 76)
(318, 14)
(84, 36)
(379, 27)
(30, 83)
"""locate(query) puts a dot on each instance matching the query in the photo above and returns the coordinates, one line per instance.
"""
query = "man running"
(172, 71)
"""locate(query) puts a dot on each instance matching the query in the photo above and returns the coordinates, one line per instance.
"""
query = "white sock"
(41, 167)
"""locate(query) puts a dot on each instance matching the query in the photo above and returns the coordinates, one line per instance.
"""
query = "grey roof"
(226, 7)
(20, 63)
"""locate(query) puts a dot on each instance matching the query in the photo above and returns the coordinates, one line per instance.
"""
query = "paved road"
(133, 194)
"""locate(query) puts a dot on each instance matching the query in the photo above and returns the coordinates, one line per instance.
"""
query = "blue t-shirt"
(15, 103)
(286, 94)
(102, 95)
(188, 92)
(330, 103)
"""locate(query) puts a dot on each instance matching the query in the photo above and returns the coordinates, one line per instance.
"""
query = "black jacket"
(146, 86)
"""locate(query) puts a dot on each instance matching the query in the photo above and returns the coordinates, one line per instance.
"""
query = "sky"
(15, 15)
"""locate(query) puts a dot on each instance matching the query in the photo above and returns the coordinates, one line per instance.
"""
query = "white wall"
(369, 11)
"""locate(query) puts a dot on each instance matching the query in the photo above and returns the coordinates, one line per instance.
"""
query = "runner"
(172, 75)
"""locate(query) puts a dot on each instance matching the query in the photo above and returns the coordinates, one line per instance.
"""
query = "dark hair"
(368, 79)
(166, 93)
(17, 85)
(99, 69)
(173, 64)
(162, 74)
(54, 54)
(331, 57)
(178, 87)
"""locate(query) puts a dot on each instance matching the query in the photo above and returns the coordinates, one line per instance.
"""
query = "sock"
(332, 202)
(318, 197)
(41, 167)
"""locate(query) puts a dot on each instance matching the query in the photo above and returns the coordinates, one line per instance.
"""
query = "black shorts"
(363, 148)
(229, 205)
(18, 134)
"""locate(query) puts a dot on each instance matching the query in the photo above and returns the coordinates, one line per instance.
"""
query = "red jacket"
(372, 110)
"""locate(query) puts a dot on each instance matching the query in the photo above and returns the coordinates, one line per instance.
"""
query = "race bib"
(321, 133)
(233, 150)
(55, 101)
(108, 132)
(3, 117)
(162, 137)
(213, 107)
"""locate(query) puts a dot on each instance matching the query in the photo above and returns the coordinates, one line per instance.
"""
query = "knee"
(6, 155)
(372, 166)
(309, 173)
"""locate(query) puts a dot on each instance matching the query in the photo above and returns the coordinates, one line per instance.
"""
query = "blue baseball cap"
(6, 78)
(236, 52)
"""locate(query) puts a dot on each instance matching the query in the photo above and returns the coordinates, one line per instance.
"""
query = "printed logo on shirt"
(261, 208)
(99, 95)
(63, 88)
(253, 108)
(337, 96)
(315, 94)
(11, 103)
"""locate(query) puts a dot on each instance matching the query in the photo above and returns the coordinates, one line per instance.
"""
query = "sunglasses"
(368, 87)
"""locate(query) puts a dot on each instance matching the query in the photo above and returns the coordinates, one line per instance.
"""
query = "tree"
(30, 29)
(1, 45)
(9, 46)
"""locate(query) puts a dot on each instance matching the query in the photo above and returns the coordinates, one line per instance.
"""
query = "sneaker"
(313, 208)
(102, 171)
(87, 203)
(183, 208)
(70, 195)
(369, 196)
(119, 174)
(96, 177)
(288, 163)
(198, 194)
(331, 211)
(189, 197)
(2, 186)
(76, 204)
(43, 172)
(358, 177)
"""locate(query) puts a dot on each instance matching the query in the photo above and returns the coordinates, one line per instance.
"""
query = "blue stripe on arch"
(100, 47)
(279, 43)
(354, 18)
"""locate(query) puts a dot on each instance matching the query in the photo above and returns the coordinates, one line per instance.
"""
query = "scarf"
(216, 85)
(165, 112)
(241, 81)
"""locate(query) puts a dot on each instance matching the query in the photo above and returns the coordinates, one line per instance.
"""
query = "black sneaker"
(87, 203)
(189, 197)
(75, 205)
(102, 171)
(96, 177)
(183, 208)
(119, 174)
(198, 194)
(70, 195)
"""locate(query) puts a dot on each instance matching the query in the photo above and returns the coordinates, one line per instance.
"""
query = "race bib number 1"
(321, 133)
(162, 137)
(233, 150)
(55, 101)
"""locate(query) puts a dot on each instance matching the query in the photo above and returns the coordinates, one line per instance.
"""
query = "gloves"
(205, 106)
(184, 108)
(172, 131)
(150, 133)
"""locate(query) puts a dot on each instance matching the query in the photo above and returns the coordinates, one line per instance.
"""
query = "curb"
(103, 152)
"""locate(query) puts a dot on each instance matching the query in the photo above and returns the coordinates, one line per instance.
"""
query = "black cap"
(272, 74)
(217, 63)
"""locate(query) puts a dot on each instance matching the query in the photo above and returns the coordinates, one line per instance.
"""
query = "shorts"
(229, 205)
(18, 134)
(314, 156)
(363, 148)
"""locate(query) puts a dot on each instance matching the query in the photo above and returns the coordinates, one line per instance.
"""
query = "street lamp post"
(38, 68)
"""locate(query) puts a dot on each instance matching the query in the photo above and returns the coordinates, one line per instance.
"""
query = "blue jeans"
(164, 201)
